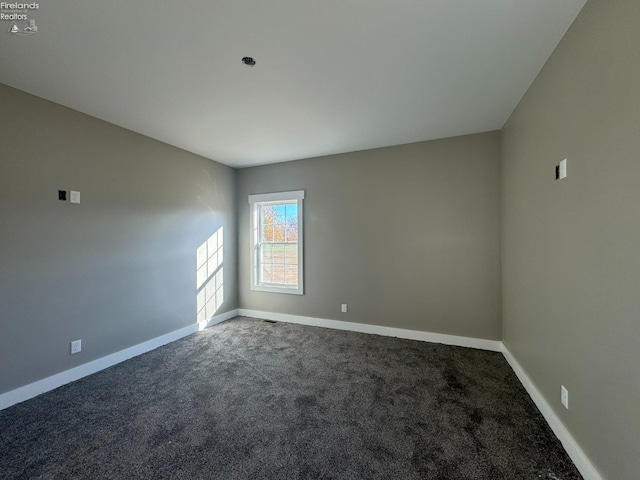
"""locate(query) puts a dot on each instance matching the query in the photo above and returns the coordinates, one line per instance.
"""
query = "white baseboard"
(479, 343)
(580, 459)
(218, 319)
(46, 384)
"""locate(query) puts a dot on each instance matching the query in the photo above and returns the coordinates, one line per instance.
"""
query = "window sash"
(285, 264)
(259, 242)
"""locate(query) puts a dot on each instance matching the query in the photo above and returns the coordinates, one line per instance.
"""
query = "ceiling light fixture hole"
(248, 61)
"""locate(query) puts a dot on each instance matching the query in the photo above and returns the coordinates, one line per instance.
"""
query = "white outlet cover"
(74, 197)
(563, 169)
(344, 308)
(564, 396)
(76, 346)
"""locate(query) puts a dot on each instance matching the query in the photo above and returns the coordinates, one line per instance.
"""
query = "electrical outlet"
(344, 308)
(76, 346)
(564, 396)
(74, 197)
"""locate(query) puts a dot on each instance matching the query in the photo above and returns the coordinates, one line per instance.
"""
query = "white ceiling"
(331, 76)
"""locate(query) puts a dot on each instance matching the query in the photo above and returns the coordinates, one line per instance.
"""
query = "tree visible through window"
(277, 242)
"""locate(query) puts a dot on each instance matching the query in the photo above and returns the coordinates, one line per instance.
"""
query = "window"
(276, 242)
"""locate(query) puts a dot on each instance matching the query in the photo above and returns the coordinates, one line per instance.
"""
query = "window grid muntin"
(283, 219)
(295, 200)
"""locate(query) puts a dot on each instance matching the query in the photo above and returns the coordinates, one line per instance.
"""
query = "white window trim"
(254, 202)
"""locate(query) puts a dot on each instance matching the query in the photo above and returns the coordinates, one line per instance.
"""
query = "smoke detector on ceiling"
(248, 61)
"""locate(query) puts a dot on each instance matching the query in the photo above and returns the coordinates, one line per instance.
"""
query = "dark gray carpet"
(255, 400)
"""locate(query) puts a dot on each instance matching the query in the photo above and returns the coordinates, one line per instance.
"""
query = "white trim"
(577, 455)
(216, 319)
(34, 389)
(580, 459)
(276, 197)
(255, 201)
(482, 344)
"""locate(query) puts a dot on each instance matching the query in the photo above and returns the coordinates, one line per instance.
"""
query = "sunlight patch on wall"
(209, 278)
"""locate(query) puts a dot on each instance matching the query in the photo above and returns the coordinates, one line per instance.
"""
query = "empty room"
(320, 240)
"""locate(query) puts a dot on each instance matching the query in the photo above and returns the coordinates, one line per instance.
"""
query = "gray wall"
(407, 236)
(571, 261)
(119, 268)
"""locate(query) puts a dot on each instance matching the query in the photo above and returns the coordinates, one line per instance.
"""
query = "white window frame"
(255, 202)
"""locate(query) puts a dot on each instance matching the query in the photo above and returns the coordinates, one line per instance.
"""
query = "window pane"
(291, 213)
(291, 274)
(278, 274)
(291, 255)
(291, 233)
(267, 234)
(267, 215)
(278, 233)
(267, 253)
(278, 213)
(278, 254)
